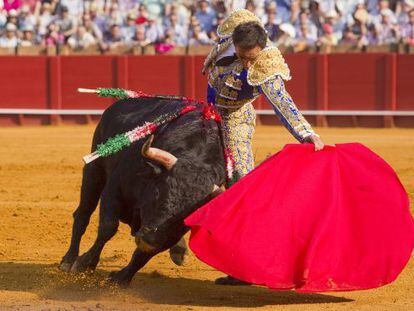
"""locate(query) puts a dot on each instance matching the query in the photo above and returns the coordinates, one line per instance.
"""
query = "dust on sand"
(40, 177)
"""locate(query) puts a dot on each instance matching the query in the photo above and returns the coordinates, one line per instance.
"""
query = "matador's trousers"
(238, 127)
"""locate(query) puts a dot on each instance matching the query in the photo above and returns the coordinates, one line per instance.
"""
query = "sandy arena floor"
(40, 175)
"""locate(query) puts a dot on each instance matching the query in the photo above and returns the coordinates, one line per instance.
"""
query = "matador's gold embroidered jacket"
(232, 87)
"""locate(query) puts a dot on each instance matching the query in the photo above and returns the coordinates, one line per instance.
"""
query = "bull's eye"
(150, 170)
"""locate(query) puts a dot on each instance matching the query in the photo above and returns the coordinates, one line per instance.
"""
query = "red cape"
(332, 220)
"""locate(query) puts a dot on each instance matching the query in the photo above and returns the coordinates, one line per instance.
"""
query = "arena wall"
(372, 89)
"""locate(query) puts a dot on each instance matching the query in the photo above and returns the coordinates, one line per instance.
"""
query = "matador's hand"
(317, 142)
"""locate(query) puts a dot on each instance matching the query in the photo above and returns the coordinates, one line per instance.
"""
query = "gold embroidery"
(233, 20)
(269, 64)
(224, 102)
(238, 126)
(226, 92)
(234, 83)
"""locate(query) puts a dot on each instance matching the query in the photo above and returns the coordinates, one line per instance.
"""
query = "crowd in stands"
(169, 23)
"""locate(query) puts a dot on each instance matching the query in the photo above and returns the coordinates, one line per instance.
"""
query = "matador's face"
(248, 56)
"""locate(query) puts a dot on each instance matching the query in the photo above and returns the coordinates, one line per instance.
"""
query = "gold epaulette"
(236, 18)
(269, 64)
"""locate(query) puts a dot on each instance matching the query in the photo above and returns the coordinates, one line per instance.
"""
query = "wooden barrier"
(334, 82)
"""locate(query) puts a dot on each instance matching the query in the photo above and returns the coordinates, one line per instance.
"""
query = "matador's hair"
(248, 35)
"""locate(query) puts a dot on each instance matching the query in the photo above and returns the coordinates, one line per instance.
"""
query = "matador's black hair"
(248, 35)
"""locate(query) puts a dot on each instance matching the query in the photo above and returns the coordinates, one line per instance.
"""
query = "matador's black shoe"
(228, 280)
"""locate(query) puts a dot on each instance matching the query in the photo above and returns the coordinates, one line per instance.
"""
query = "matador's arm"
(284, 107)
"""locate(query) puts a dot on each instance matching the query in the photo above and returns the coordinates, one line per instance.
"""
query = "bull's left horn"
(163, 157)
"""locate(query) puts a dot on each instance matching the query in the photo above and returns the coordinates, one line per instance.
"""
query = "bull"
(152, 185)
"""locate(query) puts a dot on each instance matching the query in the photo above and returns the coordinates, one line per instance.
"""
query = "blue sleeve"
(284, 107)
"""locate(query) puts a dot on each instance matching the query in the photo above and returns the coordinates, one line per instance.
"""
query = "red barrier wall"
(24, 82)
(319, 82)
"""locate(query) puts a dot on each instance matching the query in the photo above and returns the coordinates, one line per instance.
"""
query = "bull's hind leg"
(93, 181)
(109, 214)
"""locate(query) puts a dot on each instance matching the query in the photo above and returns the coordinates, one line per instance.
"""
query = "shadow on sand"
(48, 282)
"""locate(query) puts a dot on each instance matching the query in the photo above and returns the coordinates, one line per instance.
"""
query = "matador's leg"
(239, 128)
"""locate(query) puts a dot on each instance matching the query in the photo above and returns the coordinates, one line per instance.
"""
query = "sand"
(40, 176)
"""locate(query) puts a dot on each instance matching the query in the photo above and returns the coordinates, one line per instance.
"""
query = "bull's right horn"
(163, 157)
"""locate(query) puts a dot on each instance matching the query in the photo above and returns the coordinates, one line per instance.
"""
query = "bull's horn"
(163, 157)
(217, 190)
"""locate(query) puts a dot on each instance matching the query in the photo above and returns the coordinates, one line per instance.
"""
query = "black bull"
(140, 191)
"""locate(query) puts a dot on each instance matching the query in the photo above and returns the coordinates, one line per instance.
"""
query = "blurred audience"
(179, 23)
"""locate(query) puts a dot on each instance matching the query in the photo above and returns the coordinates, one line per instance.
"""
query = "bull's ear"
(155, 168)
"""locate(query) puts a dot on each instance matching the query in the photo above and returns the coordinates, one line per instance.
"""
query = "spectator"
(155, 8)
(283, 8)
(128, 5)
(388, 32)
(358, 22)
(128, 29)
(28, 37)
(382, 6)
(206, 16)
(12, 5)
(53, 36)
(213, 32)
(139, 38)
(305, 37)
(332, 19)
(271, 9)
(312, 31)
(236, 5)
(3, 17)
(66, 23)
(287, 35)
(81, 39)
(328, 38)
(91, 27)
(154, 32)
(13, 18)
(406, 7)
(178, 34)
(349, 37)
(295, 10)
(167, 44)
(250, 6)
(142, 17)
(182, 12)
(44, 18)
(75, 7)
(199, 37)
(271, 26)
(9, 39)
(26, 19)
(372, 35)
(408, 30)
(99, 20)
(113, 38)
(315, 16)
(359, 25)
(114, 15)
(220, 7)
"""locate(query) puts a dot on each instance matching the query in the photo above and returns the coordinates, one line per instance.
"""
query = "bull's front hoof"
(120, 278)
(83, 264)
(65, 266)
(178, 255)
